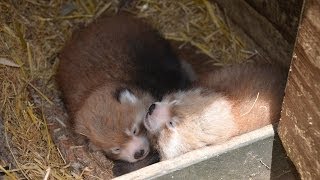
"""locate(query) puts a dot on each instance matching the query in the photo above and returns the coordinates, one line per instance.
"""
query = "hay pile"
(31, 34)
(195, 22)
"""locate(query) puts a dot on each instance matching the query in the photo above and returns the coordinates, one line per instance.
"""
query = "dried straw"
(31, 34)
(197, 22)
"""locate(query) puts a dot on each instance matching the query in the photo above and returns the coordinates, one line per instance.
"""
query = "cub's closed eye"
(115, 150)
(135, 131)
(171, 124)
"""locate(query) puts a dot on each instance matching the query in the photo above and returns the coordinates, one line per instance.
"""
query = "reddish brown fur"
(82, 67)
(111, 54)
(241, 84)
(119, 48)
(105, 122)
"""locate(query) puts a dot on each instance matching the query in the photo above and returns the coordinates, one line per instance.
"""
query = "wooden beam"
(299, 127)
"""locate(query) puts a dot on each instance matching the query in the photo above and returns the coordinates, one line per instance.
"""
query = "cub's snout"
(136, 149)
(157, 117)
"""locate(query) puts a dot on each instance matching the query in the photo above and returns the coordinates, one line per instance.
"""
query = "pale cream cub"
(228, 102)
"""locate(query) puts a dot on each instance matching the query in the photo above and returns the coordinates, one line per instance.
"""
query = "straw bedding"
(35, 139)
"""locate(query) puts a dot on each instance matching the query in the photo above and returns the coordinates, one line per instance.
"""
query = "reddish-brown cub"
(109, 73)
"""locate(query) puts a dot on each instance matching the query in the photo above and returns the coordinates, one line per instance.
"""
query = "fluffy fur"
(109, 73)
(225, 103)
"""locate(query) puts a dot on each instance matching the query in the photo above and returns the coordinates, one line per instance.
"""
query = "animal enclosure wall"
(270, 27)
(299, 127)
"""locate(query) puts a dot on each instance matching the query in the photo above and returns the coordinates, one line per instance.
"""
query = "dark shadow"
(281, 166)
(121, 167)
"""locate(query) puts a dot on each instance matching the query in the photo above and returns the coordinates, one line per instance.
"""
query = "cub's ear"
(125, 95)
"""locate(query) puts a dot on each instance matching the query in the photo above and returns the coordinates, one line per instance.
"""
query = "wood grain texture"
(299, 127)
(261, 29)
(284, 15)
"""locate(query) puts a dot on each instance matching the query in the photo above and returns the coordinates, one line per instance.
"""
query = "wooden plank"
(199, 155)
(273, 39)
(299, 127)
(284, 15)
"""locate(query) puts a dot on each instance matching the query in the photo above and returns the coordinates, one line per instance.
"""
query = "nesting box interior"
(37, 139)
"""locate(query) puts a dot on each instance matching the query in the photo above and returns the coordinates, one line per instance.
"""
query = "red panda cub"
(109, 74)
(225, 103)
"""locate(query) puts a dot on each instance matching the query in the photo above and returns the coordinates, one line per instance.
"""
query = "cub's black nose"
(151, 108)
(139, 154)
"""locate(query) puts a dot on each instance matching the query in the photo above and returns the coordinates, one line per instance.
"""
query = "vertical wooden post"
(299, 127)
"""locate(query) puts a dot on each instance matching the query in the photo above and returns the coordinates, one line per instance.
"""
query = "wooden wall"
(268, 26)
(299, 127)
(283, 15)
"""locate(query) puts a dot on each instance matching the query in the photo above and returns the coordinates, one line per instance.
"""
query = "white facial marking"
(128, 132)
(160, 115)
(127, 96)
(135, 145)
